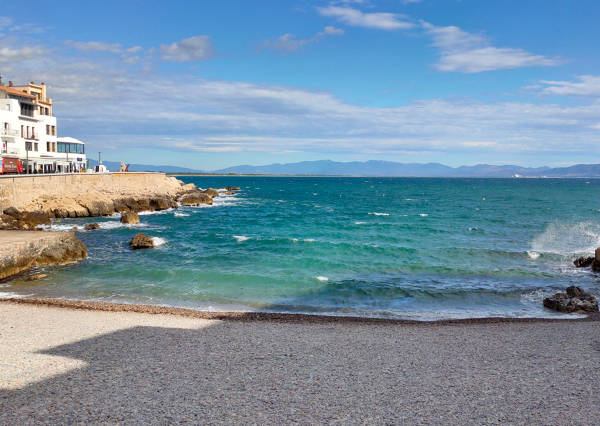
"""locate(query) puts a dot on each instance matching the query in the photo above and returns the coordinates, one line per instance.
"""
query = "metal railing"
(9, 132)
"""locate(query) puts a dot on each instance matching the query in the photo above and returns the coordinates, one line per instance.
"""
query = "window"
(62, 147)
(22, 131)
(35, 146)
(47, 129)
(54, 130)
(48, 147)
(53, 146)
(33, 133)
(28, 146)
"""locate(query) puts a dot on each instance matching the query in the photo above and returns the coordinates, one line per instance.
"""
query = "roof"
(68, 139)
(16, 92)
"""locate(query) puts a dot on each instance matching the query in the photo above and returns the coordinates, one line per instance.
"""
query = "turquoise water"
(387, 247)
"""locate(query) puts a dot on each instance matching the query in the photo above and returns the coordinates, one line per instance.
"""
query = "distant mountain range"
(379, 168)
(389, 168)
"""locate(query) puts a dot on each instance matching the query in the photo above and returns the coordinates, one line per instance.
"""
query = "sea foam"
(240, 238)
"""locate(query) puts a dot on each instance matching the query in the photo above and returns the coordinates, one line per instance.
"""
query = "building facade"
(28, 132)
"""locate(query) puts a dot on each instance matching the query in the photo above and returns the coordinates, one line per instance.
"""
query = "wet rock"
(11, 211)
(232, 188)
(211, 192)
(35, 277)
(162, 203)
(596, 262)
(140, 241)
(130, 217)
(583, 262)
(574, 300)
(99, 208)
(91, 226)
(229, 193)
(195, 198)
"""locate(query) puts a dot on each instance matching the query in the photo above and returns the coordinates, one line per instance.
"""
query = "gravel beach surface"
(60, 365)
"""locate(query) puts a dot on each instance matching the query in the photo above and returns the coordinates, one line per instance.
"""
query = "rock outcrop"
(14, 219)
(596, 262)
(211, 192)
(91, 226)
(583, 262)
(574, 300)
(130, 218)
(140, 241)
(20, 250)
(195, 198)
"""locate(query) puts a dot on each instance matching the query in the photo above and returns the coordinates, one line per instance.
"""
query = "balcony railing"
(9, 132)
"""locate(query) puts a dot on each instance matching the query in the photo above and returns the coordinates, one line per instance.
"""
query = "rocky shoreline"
(35, 210)
(21, 250)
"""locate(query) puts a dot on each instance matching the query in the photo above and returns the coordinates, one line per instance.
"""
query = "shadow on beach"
(277, 372)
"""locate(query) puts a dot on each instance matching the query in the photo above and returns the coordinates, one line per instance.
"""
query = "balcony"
(9, 132)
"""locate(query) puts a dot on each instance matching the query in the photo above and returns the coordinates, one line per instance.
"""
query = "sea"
(405, 248)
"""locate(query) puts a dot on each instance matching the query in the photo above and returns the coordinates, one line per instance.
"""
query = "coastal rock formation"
(14, 219)
(596, 262)
(232, 188)
(583, 262)
(195, 198)
(130, 217)
(20, 250)
(574, 300)
(84, 195)
(140, 241)
(211, 192)
(91, 226)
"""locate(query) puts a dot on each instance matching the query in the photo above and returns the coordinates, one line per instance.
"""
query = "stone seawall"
(20, 250)
(80, 195)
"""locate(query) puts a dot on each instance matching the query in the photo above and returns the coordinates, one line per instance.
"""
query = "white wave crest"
(568, 239)
(423, 214)
(322, 278)
(533, 254)
(179, 214)
(379, 214)
(358, 222)
(309, 240)
(241, 238)
(158, 241)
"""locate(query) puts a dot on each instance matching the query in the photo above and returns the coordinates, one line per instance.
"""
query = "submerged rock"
(574, 300)
(91, 226)
(130, 217)
(35, 277)
(583, 262)
(140, 241)
(232, 188)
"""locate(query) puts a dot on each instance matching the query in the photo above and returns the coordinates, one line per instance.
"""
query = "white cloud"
(586, 85)
(357, 18)
(95, 46)
(188, 50)
(13, 55)
(289, 42)
(471, 53)
(127, 54)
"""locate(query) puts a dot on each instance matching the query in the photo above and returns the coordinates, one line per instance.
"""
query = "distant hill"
(379, 168)
(389, 168)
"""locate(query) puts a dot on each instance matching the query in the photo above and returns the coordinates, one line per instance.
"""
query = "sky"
(212, 84)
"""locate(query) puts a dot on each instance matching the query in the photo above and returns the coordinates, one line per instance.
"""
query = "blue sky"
(213, 84)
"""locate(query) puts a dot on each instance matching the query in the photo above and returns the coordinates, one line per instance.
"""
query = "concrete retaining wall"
(22, 191)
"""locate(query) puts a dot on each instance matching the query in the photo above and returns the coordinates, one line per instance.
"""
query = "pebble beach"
(67, 365)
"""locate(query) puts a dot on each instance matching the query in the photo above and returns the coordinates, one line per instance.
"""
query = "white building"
(28, 132)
